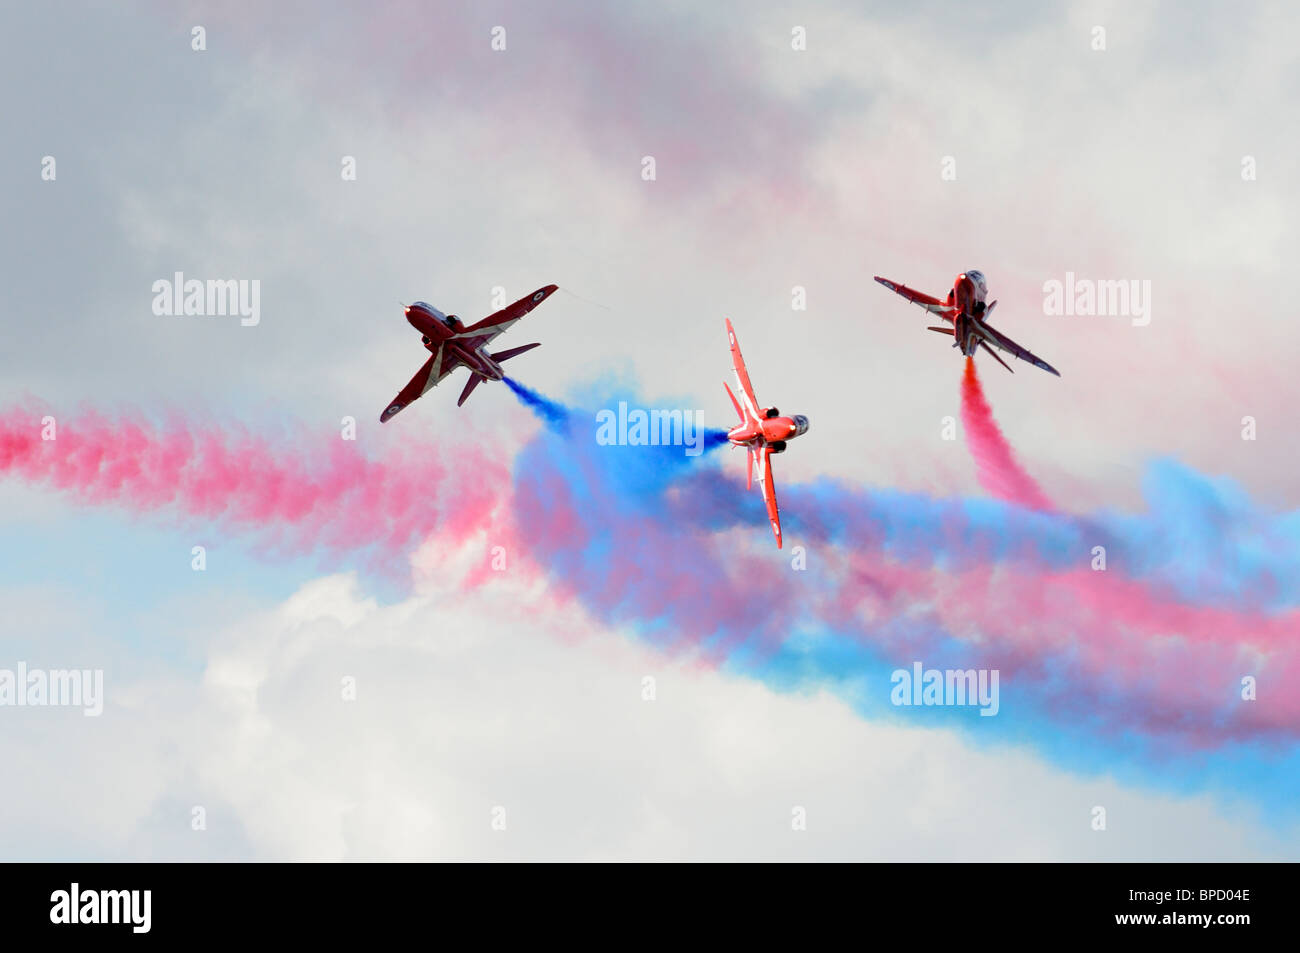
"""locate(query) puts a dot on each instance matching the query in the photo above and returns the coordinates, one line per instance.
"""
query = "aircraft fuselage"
(477, 360)
(968, 295)
(437, 330)
(768, 430)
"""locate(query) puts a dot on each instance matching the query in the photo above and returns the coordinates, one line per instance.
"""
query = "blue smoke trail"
(714, 438)
(554, 414)
(560, 417)
(1202, 537)
(647, 540)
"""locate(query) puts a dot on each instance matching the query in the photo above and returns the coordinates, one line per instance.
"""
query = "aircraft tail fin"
(500, 356)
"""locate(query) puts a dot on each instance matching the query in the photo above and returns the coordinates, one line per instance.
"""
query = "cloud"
(460, 710)
(778, 169)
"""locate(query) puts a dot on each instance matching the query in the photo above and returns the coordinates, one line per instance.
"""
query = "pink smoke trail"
(1096, 646)
(999, 471)
(1158, 665)
(1118, 654)
(1093, 647)
(301, 493)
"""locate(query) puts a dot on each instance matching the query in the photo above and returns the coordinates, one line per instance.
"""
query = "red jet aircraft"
(966, 310)
(453, 345)
(762, 432)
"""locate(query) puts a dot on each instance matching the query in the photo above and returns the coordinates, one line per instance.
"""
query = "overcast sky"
(908, 143)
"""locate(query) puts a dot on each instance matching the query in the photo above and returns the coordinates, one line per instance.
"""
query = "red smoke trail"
(1096, 647)
(1085, 647)
(302, 492)
(999, 471)
(1080, 646)
(1137, 659)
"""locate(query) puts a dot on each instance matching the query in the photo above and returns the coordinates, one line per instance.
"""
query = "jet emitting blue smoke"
(623, 525)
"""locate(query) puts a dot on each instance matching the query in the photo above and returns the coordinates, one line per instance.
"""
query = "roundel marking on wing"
(539, 296)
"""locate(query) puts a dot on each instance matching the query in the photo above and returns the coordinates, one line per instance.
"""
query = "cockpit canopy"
(450, 320)
(981, 286)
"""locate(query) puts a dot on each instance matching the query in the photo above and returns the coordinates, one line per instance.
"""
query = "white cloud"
(466, 703)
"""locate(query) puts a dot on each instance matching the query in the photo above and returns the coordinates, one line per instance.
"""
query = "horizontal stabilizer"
(995, 356)
(735, 403)
(500, 356)
(943, 331)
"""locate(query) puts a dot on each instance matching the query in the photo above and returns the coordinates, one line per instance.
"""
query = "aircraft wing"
(1004, 343)
(933, 305)
(763, 460)
(742, 375)
(434, 370)
(476, 335)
